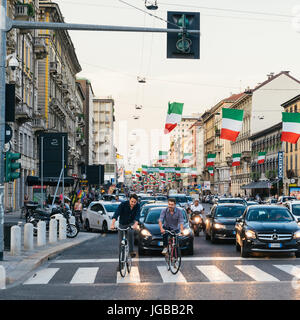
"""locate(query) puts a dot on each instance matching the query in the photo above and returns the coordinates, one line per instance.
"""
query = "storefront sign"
(280, 165)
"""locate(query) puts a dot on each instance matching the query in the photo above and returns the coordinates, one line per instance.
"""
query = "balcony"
(57, 107)
(53, 67)
(246, 156)
(229, 161)
(38, 124)
(23, 113)
(40, 49)
(24, 12)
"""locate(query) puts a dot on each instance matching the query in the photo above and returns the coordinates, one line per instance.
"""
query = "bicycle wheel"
(129, 263)
(122, 261)
(175, 259)
(167, 257)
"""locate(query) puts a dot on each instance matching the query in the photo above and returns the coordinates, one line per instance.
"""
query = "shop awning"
(49, 181)
(258, 185)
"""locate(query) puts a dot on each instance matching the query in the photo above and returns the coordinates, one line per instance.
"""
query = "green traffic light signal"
(11, 166)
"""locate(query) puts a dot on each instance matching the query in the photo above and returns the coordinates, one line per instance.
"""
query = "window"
(295, 108)
(296, 163)
(296, 146)
(291, 163)
(291, 147)
(21, 143)
(286, 147)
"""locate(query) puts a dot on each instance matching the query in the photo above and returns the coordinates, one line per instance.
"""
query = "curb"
(28, 264)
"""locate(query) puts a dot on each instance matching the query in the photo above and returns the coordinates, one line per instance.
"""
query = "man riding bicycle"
(128, 213)
(171, 219)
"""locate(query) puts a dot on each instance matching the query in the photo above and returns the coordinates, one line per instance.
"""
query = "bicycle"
(125, 260)
(173, 255)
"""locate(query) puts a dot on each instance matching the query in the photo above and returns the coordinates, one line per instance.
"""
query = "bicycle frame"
(173, 255)
(126, 259)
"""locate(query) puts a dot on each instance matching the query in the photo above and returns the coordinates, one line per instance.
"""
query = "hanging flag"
(187, 157)
(138, 174)
(211, 171)
(261, 157)
(162, 172)
(173, 116)
(290, 127)
(194, 172)
(144, 170)
(211, 157)
(162, 156)
(236, 159)
(178, 172)
(232, 122)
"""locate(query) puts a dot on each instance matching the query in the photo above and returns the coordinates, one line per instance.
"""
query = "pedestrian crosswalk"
(159, 274)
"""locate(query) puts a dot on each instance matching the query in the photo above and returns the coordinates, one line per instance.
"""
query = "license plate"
(275, 245)
(160, 243)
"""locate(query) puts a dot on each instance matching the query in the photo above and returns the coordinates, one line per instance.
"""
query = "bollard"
(53, 231)
(41, 233)
(62, 229)
(15, 240)
(28, 236)
(72, 220)
(2, 278)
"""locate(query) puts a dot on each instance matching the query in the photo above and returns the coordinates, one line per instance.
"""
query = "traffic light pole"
(6, 24)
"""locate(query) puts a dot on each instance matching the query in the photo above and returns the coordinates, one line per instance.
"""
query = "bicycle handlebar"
(124, 229)
(173, 233)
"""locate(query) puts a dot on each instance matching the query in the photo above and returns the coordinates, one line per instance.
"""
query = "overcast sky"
(241, 42)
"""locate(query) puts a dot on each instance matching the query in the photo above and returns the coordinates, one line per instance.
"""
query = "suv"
(284, 199)
(233, 200)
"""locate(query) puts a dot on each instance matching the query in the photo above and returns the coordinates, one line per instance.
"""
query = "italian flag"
(211, 171)
(232, 122)
(194, 172)
(261, 157)
(173, 116)
(290, 127)
(186, 157)
(162, 172)
(137, 173)
(178, 172)
(211, 157)
(236, 159)
(144, 170)
(162, 156)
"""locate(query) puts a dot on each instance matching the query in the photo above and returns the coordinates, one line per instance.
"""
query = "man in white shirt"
(196, 206)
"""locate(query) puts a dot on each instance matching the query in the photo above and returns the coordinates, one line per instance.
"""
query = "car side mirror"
(100, 212)
(298, 219)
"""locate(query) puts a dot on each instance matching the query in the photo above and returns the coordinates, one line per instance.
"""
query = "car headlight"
(250, 234)
(186, 232)
(146, 233)
(219, 226)
(297, 235)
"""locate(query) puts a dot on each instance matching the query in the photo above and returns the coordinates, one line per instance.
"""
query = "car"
(267, 229)
(161, 198)
(108, 197)
(283, 199)
(181, 199)
(150, 239)
(294, 207)
(233, 200)
(148, 198)
(271, 201)
(190, 200)
(251, 203)
(220, 222)
(143, 202)
(98, 215)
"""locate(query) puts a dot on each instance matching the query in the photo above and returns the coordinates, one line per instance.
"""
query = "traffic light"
(11, 166)
(183, 45)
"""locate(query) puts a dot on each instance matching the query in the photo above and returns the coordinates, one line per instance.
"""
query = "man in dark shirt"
(128, 213)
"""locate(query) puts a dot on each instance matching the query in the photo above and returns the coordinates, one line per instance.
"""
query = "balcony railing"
(38, 124)
(23, 112)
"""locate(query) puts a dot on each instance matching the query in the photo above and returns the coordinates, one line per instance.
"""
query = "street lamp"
(12, 61)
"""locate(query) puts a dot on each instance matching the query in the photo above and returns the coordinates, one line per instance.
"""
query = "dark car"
(267, 228)
(251, 203)
(220, 223)
(233, 200)
(161, 198)
(146, 198)
(143, 202)
(181, 199)
(150, 238)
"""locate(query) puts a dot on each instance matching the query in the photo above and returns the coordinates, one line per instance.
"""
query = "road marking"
(293, 270)
(256, 273)
(163, 259)
(132, 277)
(214, 274)
(85, 275)
(42, 276)
(168, 276)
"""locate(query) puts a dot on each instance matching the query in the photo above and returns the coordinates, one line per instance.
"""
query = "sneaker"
(132, 254)
(165, 250)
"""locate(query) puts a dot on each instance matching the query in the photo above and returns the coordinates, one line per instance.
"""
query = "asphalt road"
(215, 271)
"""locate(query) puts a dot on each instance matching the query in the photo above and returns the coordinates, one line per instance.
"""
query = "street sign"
(8, 133)
(280, 165)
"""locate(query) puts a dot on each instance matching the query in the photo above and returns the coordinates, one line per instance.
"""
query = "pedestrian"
(78, 210)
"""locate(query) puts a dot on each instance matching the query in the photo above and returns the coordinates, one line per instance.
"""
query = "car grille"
(270, 236)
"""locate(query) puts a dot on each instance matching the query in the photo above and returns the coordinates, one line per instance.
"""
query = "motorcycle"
(56, 213)
(196, 222)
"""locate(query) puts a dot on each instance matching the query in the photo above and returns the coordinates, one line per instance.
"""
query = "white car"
(99, 215)
(294, 207)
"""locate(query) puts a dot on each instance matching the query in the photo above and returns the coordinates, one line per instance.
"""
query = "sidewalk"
(18, 267)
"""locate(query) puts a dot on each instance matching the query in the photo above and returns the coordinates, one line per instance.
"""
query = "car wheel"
(190, 250)
(244, 252)
(104, 227)
(87, 226)
(213, 238)
(297, 254)
(207, 236)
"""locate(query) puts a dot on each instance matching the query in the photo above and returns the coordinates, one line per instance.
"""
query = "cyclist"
(128, 213)
(171, 219)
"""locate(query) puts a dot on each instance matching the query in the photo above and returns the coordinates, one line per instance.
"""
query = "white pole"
(53, 231)
(28, 236)
(62, 229)
(15, 240)
(2, 278)
(41, 233)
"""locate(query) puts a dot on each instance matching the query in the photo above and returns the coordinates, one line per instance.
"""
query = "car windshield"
(147, 198)
(230, 212)
(111, 207)
(190, 198)
(161, 198)
(154, 214)
(180, 199)
(296, 209)
(269, 215)
(145, 210)
(241, 201)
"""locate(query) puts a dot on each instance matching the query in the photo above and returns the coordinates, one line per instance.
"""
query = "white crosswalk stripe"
(293, 270)
(214, 274)
(132, 277)
(167, 276)
(256, 273)
(42, 276)
(85, 275)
